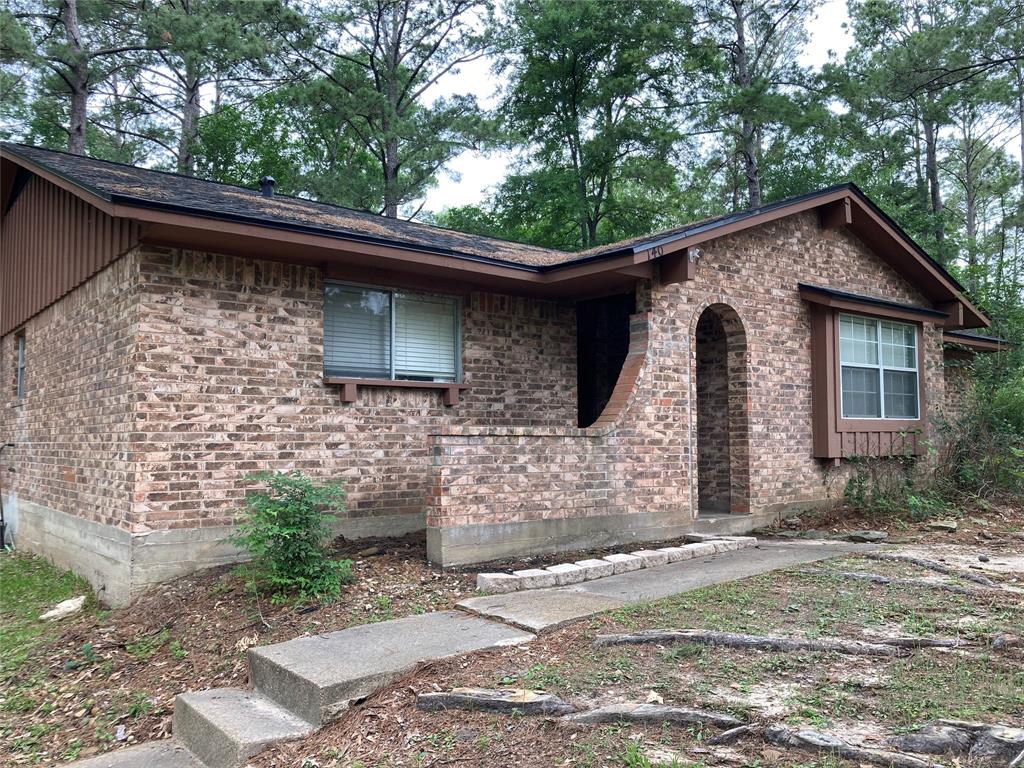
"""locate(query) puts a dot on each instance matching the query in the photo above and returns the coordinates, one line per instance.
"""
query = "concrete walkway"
(542, 610)
(301, 684)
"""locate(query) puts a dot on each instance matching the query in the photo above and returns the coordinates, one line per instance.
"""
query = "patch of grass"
(29, 586)
(144, 646)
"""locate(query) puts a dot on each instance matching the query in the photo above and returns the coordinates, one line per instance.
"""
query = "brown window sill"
(449, 389)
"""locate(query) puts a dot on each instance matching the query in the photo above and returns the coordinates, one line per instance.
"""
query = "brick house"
(163, 337)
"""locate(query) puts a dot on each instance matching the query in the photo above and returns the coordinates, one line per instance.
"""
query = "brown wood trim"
(209, 231)
(955, 310)
(677, 267)
(836, 215)
(866, 307)
(975, 343)
(450, 390)
(834, 437)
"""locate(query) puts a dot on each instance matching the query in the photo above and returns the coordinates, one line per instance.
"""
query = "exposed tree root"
(760, 642)
(933, 565)
(823, 742)
(878, 578)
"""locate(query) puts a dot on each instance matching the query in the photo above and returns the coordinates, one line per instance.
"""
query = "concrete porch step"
(227, 726)
(154, 754)
(317, 677)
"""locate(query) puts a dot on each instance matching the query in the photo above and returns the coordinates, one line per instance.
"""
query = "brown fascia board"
(976, 343)
(868, 223)
(559, 280)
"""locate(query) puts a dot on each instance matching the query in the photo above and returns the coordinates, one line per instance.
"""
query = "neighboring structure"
(163, 337)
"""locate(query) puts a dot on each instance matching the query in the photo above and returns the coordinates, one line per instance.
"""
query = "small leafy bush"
(286, 531)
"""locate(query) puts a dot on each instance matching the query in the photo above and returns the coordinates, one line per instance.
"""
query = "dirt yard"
(108, 678)
(105, 679)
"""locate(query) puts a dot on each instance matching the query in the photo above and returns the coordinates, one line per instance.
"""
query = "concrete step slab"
(227, 726)
(155, 754)
(542, 610)
(317, 677)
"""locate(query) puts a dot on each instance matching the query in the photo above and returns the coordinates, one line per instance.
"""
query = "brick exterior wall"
(645, 460)
(72, 431)
(157, 386)
(229, 355)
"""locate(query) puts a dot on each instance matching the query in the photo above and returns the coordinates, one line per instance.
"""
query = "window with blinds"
(378, 334)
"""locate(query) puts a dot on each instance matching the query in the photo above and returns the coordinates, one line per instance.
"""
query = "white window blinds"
(357, 332)
(425, 337)
(375, 334)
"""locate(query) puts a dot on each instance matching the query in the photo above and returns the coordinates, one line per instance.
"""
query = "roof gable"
(185, 207)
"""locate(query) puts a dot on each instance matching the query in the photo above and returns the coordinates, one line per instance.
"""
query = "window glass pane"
(357, 332)
(858, 340)
(21, 368)
(861, 396)
(899, 345)
(900, 395)
(425, 337)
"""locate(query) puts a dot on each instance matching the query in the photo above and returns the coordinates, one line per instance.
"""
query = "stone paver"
(656, 583)
(542, 610)
(316, 677)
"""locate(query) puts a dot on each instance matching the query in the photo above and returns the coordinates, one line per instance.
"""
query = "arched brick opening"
(722, 412)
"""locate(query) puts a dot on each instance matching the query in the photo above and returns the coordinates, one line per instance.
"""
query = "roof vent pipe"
(267, 186)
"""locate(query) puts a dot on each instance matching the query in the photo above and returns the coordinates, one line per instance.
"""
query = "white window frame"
(391, 319)
(880, 367)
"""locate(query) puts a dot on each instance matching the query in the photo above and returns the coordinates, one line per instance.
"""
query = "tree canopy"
(619, 118)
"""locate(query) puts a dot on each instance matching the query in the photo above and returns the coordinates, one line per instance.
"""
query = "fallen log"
(652, 713)
(757, 642)
(878, 578)
(933, 565)
(823, 742)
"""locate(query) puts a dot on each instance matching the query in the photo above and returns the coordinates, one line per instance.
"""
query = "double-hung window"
(372, 333)
(879, 369)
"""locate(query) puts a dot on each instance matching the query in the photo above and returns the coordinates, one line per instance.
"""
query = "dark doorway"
(722, 444)
(602, 342)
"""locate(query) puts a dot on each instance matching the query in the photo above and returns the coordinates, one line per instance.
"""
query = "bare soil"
(108, 678)
(111, 674)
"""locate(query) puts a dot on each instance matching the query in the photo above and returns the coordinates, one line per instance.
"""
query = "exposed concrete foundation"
(467, 544)
(119, 564)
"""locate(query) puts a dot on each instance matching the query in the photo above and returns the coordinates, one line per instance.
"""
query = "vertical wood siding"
(51, 242)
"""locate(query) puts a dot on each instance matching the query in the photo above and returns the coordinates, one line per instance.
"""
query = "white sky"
(471, 175)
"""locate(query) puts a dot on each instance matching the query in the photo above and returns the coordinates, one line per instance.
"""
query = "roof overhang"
(976, 343)
(854, 302)
(607, 271)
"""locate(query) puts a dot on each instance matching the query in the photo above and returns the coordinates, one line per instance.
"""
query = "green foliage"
(594, 92)
(286, 530)
(984, 453)
(30, 586)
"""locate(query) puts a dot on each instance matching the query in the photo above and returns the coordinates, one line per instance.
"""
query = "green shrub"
(286, 530)
(984, 449)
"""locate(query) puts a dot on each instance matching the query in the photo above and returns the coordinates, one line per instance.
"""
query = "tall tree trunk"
(79, 80)
(748, 131)
(190, 112)
(932, 172)
(391, 192)
(1018, 71)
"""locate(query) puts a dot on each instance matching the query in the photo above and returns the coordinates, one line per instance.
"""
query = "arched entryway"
(722, 413)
